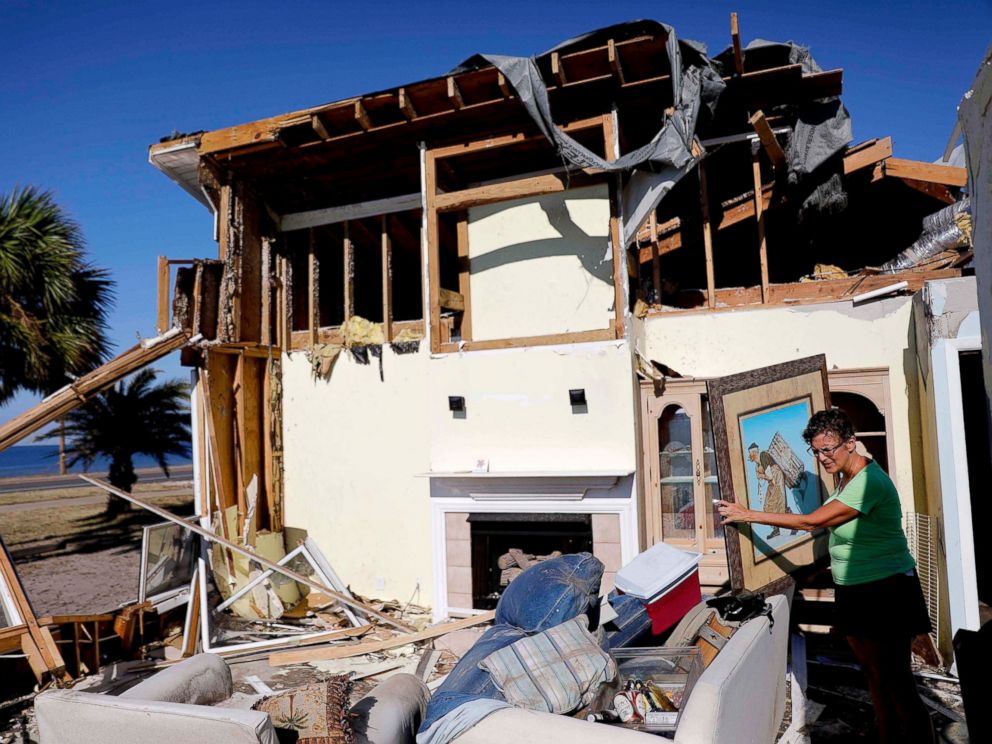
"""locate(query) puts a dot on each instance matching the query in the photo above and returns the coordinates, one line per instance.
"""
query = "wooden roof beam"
(455, 94)
(735, 38)
(613, 55)
(948, 175)
(867, 154)
(558, 70)
(362, 116)
(406, 105)
(504, 87)
(319, 127)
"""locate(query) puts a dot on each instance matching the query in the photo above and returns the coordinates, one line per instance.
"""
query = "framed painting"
(763, 464)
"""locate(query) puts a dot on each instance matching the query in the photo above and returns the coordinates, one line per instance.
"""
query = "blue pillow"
(552, 592)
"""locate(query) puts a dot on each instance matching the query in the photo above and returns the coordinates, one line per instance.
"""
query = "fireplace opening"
(495, 535)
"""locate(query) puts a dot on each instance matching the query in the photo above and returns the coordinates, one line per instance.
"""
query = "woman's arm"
(828, 515)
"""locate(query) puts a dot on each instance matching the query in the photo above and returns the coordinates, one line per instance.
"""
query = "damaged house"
(476, 313)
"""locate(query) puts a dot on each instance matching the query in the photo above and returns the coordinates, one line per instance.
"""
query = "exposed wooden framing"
(611, 146)
(319, 127)
(518, 189)
(332, 334)
(406, 105)
(223, 215)
(245, 551)
(505, 140)
(614, 57)
(313, 288)
(450, 300)
(265, 337)
(239, 444)
(774, 150)
(867, 154)
(272, 437)
(362, 116)
(250, 265)
(219, 389)
(948, 175)
(936, 190)
(432, 255)
(281, 658)
(332, 215)
(193, 633)
(655, 258)
(283, 299)
(248, 399)
(735, 38)
(804, 293)
(387, 281)
(163, 321)
(58, 404)
(464, 276)
(203, 496)
(504, 87)
(759, 213)
(455, 94)
(604, 334)
(557, 70)
(348, 255)
(704, 202)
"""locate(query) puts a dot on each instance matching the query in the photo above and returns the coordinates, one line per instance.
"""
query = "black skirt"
(881, 609)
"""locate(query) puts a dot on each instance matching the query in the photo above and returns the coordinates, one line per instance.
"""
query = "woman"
(878, 602)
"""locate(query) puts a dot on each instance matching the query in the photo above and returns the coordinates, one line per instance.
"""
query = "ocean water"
(43, 459)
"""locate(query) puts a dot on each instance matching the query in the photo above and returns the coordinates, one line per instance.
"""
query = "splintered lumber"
(71, 396)
(774, 150)
(369, 647)
(261, 560)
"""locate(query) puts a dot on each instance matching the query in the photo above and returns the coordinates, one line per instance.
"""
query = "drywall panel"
(517, 414)
(354, 445)
(875, 334)
(541, 266)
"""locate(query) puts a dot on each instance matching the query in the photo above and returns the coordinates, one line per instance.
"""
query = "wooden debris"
(343, 652)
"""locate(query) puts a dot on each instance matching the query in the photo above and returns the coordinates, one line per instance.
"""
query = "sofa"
(186, 703)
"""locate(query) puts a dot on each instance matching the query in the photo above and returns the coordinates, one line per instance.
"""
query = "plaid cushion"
(557, 670)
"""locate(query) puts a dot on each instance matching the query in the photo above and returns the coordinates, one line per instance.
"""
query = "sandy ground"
(83, 583)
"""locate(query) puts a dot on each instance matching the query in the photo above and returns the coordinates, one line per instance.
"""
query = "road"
(50, 483)
(77, 501)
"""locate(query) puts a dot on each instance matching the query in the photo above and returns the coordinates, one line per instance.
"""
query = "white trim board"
(955, 489)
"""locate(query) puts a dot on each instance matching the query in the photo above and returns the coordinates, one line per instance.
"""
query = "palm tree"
(136, 416)
(53, 303)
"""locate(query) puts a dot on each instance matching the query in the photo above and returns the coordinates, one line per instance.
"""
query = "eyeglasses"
(828, 451)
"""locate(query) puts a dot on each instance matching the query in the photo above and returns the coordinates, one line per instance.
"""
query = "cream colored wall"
(352, 446)
(537, 265)
(518, 415)
(357, 449)
(876, 334)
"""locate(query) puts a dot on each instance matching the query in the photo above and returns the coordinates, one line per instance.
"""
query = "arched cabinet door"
(681, 482)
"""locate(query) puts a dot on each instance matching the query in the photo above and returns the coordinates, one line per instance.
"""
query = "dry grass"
(67, 528)
(26, 496)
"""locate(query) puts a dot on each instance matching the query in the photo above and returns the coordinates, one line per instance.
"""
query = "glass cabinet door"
(675, 474)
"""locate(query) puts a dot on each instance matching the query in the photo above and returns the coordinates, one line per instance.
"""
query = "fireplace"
(494, 535)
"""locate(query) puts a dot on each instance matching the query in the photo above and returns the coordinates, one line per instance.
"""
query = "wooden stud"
(655, 258)
(735, 38)
(455, 94)
(96, 647)
(614, 58)
(319, 127)
(387, 281)
(504, 87)
(464, 276)
(557, 70)
(406, 105)
(704, 202)
(362, 116)
(241, 445)
(313, 289)
(432, 255)
(190, 639)
(775, 152)
(164, 322)
(272, 492)
(349, 273)
(223, 214)
(620, 281)
(759, 213)
(265, 337)
(250, 434)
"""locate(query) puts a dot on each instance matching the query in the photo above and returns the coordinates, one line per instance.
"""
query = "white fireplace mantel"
(526, 486)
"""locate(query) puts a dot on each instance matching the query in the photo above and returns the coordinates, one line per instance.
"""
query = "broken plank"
(451, 300)
(948, 175)
(862, 157)
(261, 560)
(427, 663)
(343, 652)
(768, 141)
(759, 212)
(163, 322)
(704, 201)
(613, 56)
(735, 39)
(518, 189)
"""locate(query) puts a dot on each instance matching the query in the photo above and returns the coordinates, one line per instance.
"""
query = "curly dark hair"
(832, 421)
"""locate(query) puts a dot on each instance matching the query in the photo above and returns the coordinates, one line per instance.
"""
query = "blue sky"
(87, 86)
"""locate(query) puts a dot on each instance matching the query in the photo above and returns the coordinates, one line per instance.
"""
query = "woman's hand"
(731, 512)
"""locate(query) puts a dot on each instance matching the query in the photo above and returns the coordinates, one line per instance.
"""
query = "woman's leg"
(900, 713)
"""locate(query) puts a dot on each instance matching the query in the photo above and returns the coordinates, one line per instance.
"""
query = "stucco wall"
(352, 444)
(357, 449)
(537, 265)
(875, 334)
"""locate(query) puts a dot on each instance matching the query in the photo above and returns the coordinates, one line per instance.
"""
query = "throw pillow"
(317, 713)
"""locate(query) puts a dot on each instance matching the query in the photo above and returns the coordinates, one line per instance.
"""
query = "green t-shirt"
(871, 546)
